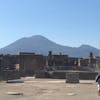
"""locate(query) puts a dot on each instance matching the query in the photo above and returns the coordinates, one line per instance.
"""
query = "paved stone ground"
(49, 89)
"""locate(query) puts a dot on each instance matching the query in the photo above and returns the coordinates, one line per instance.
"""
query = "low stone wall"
(62, 75)
(9, 75)
(87, 75)
(59, 75)
(43, 74)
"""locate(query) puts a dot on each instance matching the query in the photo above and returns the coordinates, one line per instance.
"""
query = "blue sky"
(67, 22)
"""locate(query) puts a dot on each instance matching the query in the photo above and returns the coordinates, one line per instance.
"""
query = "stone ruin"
(72, 77)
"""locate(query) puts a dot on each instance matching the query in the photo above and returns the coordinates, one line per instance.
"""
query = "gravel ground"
(49, 89)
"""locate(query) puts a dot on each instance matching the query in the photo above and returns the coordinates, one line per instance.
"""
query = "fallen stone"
(14, 93)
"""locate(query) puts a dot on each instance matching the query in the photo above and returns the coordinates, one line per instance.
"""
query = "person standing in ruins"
(98, 81)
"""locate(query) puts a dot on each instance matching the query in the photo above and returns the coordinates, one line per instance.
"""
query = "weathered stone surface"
(72, 77)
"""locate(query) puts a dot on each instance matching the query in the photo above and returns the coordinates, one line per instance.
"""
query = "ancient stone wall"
(9, 75)
(31, 63)
(71, 75)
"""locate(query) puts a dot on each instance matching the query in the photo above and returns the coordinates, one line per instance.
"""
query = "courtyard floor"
(49, 89)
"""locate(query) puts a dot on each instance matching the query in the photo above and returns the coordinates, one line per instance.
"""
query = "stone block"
(72, 77)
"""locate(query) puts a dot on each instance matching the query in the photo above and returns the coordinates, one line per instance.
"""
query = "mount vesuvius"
(42, 45)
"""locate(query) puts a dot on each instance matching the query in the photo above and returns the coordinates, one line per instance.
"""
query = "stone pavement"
(49, 89)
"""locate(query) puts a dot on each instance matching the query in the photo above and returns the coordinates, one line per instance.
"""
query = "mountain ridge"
(41, 45)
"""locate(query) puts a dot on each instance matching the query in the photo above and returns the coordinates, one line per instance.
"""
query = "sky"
(66, 22)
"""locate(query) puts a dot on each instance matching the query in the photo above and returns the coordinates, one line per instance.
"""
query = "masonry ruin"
(52, 65)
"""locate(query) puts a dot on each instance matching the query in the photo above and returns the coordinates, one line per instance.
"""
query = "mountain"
(42, 45)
